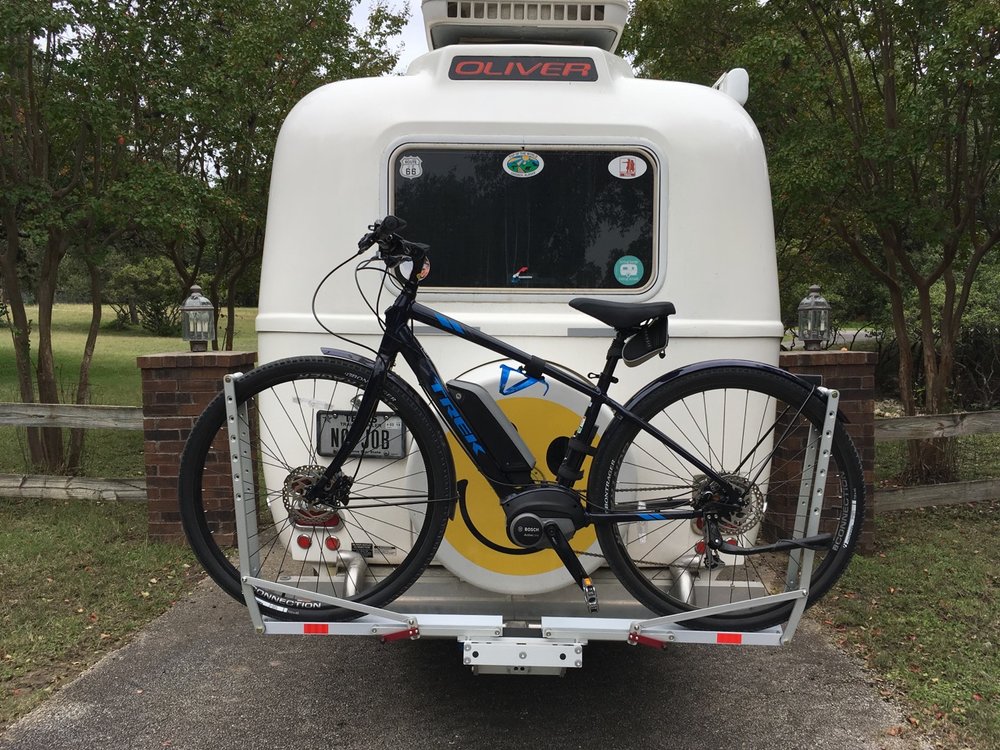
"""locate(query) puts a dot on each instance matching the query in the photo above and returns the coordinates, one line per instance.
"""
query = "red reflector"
(734, 638)
(315, 628)
(332, 543)
(699, 546)
(305, 542)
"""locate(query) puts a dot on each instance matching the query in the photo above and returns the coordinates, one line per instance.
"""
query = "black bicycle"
(719, 482)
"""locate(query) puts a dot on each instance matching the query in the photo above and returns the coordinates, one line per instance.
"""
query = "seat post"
(614, 356)
(580, 445)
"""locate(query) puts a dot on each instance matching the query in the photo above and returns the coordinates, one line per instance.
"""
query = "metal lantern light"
(814, 319)
(198, 320)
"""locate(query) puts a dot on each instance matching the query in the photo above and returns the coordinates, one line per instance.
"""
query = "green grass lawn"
(924, 611)
(79, 579)
(114, 374)
(115, 380)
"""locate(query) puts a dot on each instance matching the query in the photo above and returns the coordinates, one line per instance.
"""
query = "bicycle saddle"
(622, 314)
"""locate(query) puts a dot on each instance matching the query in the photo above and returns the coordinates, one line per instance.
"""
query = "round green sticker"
(628, 270)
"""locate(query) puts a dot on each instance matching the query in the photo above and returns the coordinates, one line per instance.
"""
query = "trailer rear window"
(530, 218)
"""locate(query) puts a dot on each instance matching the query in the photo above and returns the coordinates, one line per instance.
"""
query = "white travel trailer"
(538, 169)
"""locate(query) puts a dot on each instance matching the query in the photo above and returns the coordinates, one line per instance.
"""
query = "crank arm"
(569, 559)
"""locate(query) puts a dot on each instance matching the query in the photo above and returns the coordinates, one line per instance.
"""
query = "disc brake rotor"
(301, 511)
(740, 520)
(752, 510)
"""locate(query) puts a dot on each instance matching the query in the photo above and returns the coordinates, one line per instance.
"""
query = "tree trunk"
(21, 327)
(906, 374)
(51, 460)
(231, 318)
(76, 437)
(931, 461)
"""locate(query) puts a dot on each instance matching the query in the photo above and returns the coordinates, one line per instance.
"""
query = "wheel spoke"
(375, 532)
(752, 428)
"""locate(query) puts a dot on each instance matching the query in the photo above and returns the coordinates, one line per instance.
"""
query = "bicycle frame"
(398, 338)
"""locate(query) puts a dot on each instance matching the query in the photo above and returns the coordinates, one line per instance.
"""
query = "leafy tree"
(150, 119)
(57, 154)
(151, 286)
(880, 119)
(241, 66)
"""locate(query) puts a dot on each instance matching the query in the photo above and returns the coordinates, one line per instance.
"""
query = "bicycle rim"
(753, 427)
(371, 542)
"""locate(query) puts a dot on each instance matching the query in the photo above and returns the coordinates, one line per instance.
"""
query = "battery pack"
(495, 431)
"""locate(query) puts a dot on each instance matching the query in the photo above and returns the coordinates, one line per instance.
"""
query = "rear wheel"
(752, 426)
(369, 543)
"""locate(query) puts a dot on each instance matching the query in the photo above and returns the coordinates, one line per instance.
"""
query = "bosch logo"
(526, 530)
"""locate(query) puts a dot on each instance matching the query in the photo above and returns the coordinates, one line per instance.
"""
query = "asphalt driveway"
(199, 677)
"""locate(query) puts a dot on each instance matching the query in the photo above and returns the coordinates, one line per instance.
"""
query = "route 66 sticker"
(411, 167)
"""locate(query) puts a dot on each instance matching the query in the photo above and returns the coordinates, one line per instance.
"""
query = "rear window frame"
(654, 164)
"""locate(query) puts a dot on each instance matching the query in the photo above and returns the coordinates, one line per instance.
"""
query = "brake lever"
(366, 242)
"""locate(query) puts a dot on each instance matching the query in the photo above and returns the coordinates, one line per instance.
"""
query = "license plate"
(384, 438)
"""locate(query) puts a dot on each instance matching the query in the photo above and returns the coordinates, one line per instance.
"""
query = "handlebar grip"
(389, 225)
(391, 245)
(382, 232)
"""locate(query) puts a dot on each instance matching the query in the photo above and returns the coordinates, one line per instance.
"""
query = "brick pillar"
(853, 374)
(176, 388)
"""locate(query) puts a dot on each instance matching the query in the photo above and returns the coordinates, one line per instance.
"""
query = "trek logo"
(448, 324)
(460, 425)
(506, 68)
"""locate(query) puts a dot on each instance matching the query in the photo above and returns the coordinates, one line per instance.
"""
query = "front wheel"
(752, 426)
(370, 541)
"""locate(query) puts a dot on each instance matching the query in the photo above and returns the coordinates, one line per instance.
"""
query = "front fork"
(333, 482)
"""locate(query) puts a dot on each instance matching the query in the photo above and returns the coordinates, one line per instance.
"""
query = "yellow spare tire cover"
(540, 415)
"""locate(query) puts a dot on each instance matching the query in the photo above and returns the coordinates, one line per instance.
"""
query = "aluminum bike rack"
(490, 643)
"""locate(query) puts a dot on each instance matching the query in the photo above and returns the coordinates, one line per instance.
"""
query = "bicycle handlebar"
(384, 234)
(392, 248)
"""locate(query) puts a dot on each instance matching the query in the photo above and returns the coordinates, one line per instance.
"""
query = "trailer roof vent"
(494, 22)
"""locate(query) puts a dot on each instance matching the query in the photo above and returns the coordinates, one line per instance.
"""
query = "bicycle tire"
(387, 531)
(666, 565)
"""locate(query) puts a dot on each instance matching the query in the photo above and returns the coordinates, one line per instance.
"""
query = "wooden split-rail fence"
(130, 418)
(72, 416)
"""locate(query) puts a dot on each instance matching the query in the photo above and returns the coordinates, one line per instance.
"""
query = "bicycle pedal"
(590, 594)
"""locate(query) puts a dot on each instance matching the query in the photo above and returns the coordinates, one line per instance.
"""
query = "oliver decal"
(508, 68)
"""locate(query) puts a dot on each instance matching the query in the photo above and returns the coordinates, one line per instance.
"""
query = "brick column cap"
(827, 358)
(194, 359)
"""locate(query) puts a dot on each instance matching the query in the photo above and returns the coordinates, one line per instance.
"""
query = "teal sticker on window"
(628, 270)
